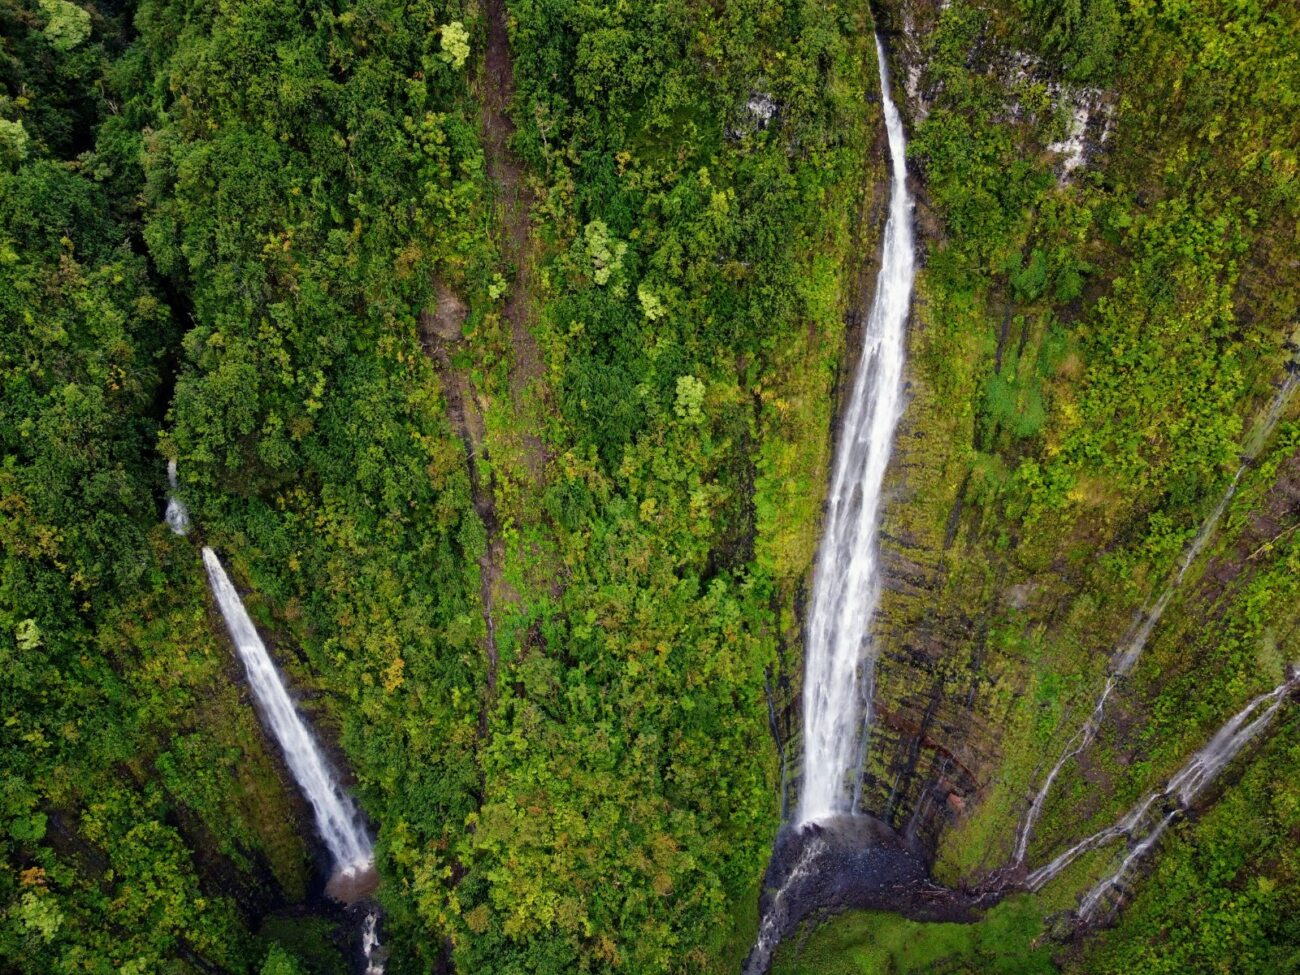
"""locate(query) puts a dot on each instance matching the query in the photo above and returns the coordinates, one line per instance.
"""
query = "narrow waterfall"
(177, 515)
(1187, 786)
(337, 819)
(372, 953)
(1144, 824)
(1144, 623)
(840, 655)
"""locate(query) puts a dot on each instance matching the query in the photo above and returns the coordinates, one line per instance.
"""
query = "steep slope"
(694, 218)
(1095, 345)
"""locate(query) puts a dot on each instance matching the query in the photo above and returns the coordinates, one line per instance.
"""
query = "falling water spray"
(840, 653)
(177, 515)
(337, 819)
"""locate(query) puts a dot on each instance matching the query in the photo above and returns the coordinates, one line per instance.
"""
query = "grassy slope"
(1006, 943)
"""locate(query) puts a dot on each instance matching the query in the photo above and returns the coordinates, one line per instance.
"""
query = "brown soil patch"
(514, 206)
(350, 886)
(440, 327)
(467, 420)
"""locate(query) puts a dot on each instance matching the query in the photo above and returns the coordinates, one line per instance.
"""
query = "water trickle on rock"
(1144, 622)
(177, 515)
(840, 654)
(1144, 824)
(371, 951)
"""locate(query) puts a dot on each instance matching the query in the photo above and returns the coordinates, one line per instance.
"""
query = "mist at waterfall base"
(834, 858)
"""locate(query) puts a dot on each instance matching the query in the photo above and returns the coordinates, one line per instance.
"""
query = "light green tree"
(40, 915)
(14, 141)
(68, 25)
(650, 304)
(280, 962)
(690, 397)
(455, 44)
(606, 252)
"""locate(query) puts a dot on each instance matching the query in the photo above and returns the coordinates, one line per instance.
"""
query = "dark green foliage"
(1080, 35)
(52, 56)
(224, 231)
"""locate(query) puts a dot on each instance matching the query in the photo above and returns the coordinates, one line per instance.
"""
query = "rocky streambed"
(850, 862)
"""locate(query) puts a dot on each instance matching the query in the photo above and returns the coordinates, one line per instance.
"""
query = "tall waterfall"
(840, 655)
(337, 818)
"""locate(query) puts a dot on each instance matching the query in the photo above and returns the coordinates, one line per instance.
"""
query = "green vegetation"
(1007, 942)
(498, 345)
(675, 287)
(290, 192)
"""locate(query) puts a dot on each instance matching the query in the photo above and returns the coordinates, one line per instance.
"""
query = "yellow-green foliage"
(220, 227)
(1007, 942)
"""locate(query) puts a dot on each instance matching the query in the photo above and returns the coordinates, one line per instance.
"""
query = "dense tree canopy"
(498, 346)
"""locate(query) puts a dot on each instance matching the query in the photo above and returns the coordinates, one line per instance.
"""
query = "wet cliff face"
(933, 734)
(814, 443)
(1045, 478)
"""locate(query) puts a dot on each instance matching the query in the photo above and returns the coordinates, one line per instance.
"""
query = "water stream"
(1144, 824)
(337, 819)
(1144, 622)
(177, 515)
(840, 655)
(371, 951)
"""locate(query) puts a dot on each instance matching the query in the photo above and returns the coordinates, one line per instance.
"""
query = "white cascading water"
(840, 656)
(1152, 815)
(1144, 623)
(371, 951)
(777, 913)
(176, 516)
(1188, 785)
(337, 818)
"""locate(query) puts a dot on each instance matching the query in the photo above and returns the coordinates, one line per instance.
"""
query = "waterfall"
(337, 818)
(1187, 786)
(1144, 623)
(1146, 822)
(840, 655)
(177, 515)
(372, 953)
